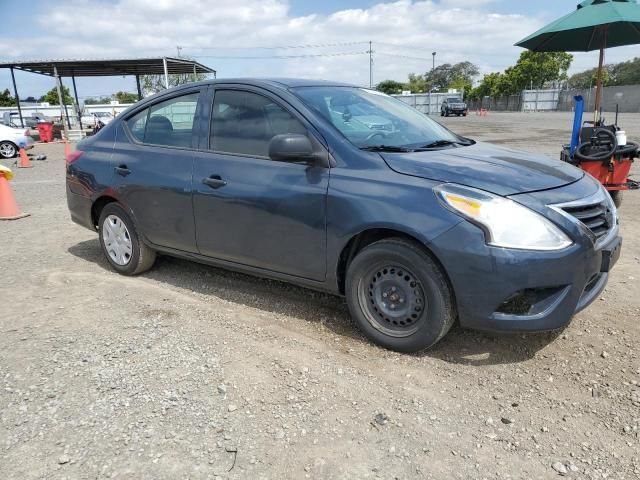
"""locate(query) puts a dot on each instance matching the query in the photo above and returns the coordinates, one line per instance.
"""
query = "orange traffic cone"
(24, 160)
(8, 206)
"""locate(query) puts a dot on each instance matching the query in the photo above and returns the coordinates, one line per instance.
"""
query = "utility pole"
(179, 49)
(370, 52)
(433, 67)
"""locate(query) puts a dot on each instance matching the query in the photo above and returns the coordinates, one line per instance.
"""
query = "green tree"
(417, 83)
(390, 87)
(155, 83)
(537, 69)
(6, 100)
(488, 87)
(97, 100)
(445, 76)
(126, 97)
(51, 97)
(625, 73)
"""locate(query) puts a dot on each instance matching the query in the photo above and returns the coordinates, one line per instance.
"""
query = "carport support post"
(15, 93)
(166, 72)
(75, 94)
(139, 89)
(61, 100)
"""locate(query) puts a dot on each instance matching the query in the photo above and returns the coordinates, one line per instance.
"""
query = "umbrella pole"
(596, 114)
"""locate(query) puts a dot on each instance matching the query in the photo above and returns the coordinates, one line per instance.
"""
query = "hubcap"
(7, 150)
(393, 300)
(117, 240)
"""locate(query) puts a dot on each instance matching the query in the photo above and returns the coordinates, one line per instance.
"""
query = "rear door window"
(168, 123)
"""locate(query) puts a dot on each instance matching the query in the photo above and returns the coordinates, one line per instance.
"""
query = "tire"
(414, 316)
(616, 196)
(8, 149)
(120, 242)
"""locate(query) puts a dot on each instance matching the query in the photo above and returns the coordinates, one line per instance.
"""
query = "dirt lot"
(194, 372)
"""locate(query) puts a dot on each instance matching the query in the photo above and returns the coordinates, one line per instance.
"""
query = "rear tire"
(616, 196)
(399, 296)
(120, 242)
(8, 149)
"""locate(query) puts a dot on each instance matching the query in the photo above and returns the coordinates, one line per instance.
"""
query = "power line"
(276, 47)
(388, 54)
(269, 57)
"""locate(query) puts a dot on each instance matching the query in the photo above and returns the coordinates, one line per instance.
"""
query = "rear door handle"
(214, 181)
(122, 170)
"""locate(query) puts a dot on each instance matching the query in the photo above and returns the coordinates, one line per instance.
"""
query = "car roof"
(268, 83)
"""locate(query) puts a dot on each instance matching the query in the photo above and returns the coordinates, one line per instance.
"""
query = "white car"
(91, 119)
(11, 139)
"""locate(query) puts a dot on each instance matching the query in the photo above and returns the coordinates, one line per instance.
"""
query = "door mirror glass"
(290, 147)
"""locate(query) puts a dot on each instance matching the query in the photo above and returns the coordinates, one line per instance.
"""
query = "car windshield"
(454, 100)
(368, 118)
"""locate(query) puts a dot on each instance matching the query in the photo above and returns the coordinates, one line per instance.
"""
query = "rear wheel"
(616, 196)
(121, 244)
(399, 296)
(8, 149)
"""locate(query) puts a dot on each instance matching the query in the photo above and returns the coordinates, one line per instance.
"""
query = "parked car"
(91, 119)
(416, 227)
(455, 106)
(11, 139)
(12, 119)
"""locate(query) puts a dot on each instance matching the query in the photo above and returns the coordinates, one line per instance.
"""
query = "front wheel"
(399, 296)
(120, 242)
(616, 196)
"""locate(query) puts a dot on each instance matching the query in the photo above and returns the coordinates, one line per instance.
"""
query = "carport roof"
(109, 67)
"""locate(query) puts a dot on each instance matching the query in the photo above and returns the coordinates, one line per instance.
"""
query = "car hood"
(494, 169)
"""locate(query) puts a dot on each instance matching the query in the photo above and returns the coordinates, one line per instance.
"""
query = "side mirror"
(291, 147)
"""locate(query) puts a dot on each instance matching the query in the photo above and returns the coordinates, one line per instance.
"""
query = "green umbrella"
(594, 25)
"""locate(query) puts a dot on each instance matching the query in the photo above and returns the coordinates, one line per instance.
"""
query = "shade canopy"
(108, 68)
(595, 24)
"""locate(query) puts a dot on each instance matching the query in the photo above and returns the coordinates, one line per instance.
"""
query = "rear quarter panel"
(92, 175)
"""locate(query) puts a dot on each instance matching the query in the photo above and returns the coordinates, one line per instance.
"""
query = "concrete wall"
(626, 97)
(53, 112)
(428, 103)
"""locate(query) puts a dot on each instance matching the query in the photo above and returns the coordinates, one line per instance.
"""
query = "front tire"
(616, 196)
(120, 242)
(399, 296)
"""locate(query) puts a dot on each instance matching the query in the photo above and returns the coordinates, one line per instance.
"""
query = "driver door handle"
(122, 170)
(214, 181)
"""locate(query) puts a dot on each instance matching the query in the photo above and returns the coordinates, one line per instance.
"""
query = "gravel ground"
(193, 372)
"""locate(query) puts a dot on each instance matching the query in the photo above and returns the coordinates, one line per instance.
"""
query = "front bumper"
(485, 277)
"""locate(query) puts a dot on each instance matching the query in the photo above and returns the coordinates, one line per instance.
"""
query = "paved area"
(193, 372)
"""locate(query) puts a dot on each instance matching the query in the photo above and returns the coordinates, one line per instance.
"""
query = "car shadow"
(460, 346)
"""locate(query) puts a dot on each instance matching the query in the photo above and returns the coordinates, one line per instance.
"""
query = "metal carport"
(102, 68)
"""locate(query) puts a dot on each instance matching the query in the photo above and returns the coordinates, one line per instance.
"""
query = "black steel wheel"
(392, 299)
(399, 296)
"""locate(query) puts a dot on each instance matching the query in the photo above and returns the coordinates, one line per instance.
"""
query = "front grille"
(597, 217)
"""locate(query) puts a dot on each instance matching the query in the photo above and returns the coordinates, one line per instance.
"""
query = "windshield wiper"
(385, 148)
(443, 143)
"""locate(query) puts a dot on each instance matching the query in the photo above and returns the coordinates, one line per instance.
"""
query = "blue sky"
(404, 35)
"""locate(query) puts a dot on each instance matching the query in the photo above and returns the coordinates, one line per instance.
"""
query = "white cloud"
(457, 29)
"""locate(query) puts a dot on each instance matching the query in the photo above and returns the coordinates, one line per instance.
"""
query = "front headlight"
(506, 223)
